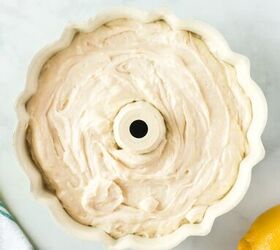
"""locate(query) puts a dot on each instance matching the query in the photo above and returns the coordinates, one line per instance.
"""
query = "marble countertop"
(251, 27)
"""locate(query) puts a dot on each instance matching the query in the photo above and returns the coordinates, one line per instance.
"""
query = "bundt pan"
(220, 49)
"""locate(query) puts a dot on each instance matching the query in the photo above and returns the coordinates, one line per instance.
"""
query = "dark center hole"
(138, 128)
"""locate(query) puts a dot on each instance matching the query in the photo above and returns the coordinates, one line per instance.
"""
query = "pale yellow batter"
(81, 90)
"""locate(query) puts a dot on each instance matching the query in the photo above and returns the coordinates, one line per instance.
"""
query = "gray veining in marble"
(251, 27)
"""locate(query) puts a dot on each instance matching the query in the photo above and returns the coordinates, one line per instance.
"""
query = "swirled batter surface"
(70, 133)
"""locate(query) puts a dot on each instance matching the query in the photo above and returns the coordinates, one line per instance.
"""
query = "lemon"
(264, 233)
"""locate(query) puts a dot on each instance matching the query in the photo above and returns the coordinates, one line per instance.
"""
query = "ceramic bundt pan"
(219, 47)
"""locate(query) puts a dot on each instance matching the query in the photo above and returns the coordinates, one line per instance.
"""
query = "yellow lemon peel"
(264, 233)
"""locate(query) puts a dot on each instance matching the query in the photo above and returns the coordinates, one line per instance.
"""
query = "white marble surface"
(251, 27)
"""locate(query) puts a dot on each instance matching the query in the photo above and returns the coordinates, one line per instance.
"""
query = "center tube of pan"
(139, 127)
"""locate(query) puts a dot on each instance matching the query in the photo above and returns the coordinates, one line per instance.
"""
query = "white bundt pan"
(220, 49)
